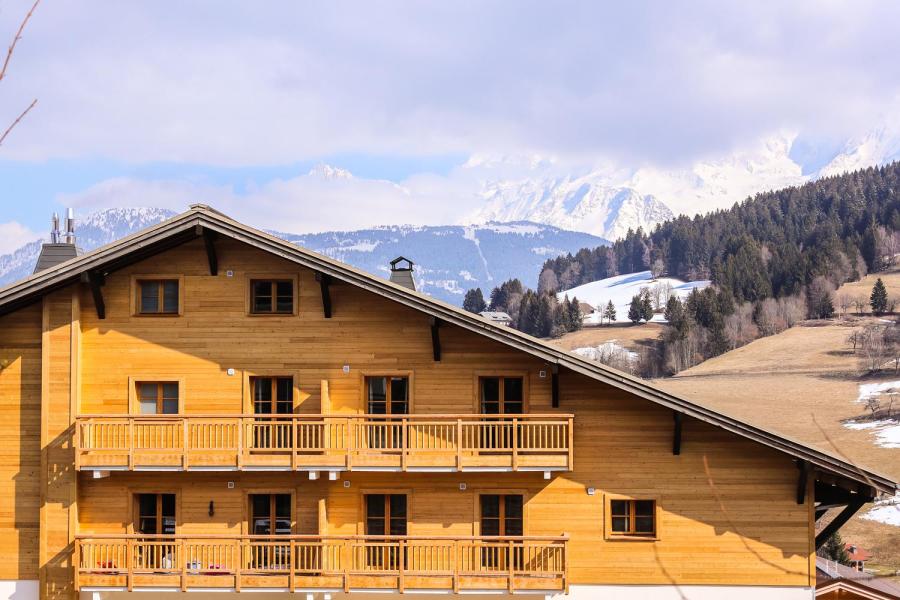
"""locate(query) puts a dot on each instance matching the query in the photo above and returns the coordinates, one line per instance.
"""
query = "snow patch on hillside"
(621, 288)
(603, 352)
(886, 431)
(886, 511)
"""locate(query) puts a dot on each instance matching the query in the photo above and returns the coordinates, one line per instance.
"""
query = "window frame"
(137, 280)
(134, 397)
(476, 520)
(480, 375)
(362, 521)
(608, 532)
(247, 387)
(133, 506)
(246, 512)
(250, 278)
(253, 380)
(365, 375)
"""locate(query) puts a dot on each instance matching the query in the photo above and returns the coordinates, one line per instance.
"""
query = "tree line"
(772, 245)
(538, 313)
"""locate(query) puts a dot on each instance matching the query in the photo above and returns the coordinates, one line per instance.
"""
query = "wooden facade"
(80, 453)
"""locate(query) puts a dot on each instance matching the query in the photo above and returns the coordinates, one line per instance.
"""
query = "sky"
(240, 104)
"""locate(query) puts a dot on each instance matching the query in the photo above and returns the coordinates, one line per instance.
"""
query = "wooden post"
(456, 566)
(76, 565)
(130, 443)
(240, 444)
(129, 561)
(292, 584)
(515, 444)
(346, 548)
(180, 557)
(459, 443)
(184, 442)
(511, 565)
(404, 442)
(401, 560)
(293, 445)
(239, 561)
(571, 444)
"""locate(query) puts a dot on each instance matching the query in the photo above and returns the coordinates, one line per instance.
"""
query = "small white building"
(500, 318)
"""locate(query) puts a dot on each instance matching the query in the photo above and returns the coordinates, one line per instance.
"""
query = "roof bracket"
(554, 386)
(802, 481)
(676, 437)
(436, 338)
(325, 285)
(851, 509)
(96, 280)
(209, 240)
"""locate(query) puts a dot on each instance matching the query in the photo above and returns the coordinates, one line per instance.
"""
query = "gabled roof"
(201, 218)
(832, 576)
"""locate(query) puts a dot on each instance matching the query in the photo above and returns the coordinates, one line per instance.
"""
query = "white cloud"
(14, 235)
(248, 84)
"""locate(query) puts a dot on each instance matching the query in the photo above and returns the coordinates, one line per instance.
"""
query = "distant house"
(586, 309)
(858, 556)
(834, 580)
(500, 318)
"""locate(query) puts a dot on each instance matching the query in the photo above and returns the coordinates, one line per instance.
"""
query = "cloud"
(323, 199)
(229, 83)
(14, 235)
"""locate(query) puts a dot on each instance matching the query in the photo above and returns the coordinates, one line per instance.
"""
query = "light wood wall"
(728, 512)
(20, 432)
(727, 506)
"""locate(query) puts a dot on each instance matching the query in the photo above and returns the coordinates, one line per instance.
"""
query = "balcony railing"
(325, 443)
(291, 563)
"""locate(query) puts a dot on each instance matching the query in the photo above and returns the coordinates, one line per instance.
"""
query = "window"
(388, 395)
(158, 398)
(632, 518)
(158, 297)
(502, 395)
(272, 296)
(272, 395)
(502, 515)
(385, 515)
(270, 514)
(155, 514)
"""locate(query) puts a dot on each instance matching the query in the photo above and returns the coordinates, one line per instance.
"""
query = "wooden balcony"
(324, 443)
(312, 563)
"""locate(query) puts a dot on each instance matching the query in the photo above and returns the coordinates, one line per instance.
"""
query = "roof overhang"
(191, 224)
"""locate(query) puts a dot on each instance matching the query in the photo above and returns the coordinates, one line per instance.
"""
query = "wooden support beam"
(554, 386)
(851, 509)
(325, 285)
(436, 338)
(676, 437)
(802, 481)
(209, 240)
(96, 280)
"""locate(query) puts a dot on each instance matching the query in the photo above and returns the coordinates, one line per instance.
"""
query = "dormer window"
(157, 296)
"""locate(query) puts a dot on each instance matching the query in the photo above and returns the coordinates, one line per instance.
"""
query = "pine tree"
(879, 299)
(646, 306)
(635, 314)
(474, 301)
(576, 319)
(834, 549)
(609, 313)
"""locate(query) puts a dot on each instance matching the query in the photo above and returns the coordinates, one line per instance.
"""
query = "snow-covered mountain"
(449, 259)
(608, 199)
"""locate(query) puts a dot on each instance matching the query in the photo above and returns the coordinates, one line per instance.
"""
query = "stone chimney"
(57, 251)
(401, 272)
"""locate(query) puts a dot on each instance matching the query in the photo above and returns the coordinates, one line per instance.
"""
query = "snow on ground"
(605, 351)
(621, 288)
(886, 511)
(886, 431)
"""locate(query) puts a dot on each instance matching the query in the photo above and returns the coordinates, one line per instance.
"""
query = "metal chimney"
(57, 251)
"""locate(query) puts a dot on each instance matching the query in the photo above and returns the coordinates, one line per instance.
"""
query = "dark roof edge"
(204, 216)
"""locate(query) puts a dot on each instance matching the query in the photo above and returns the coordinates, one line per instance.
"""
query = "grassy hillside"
(804, 383)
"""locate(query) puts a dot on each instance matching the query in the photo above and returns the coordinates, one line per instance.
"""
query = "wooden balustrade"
(324, 442)
(314, 562)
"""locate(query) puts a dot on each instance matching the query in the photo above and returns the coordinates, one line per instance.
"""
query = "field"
(631, 337)
(804, 383)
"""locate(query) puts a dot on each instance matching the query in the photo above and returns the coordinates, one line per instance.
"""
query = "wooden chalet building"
(202, 407)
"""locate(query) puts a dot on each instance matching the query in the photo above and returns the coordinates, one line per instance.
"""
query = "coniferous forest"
(775, 259)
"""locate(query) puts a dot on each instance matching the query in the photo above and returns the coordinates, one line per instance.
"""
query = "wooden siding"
(727, 506)
(20, 430)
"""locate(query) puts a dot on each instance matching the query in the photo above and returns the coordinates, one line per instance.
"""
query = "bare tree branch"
(16, 39)
(16, 122)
